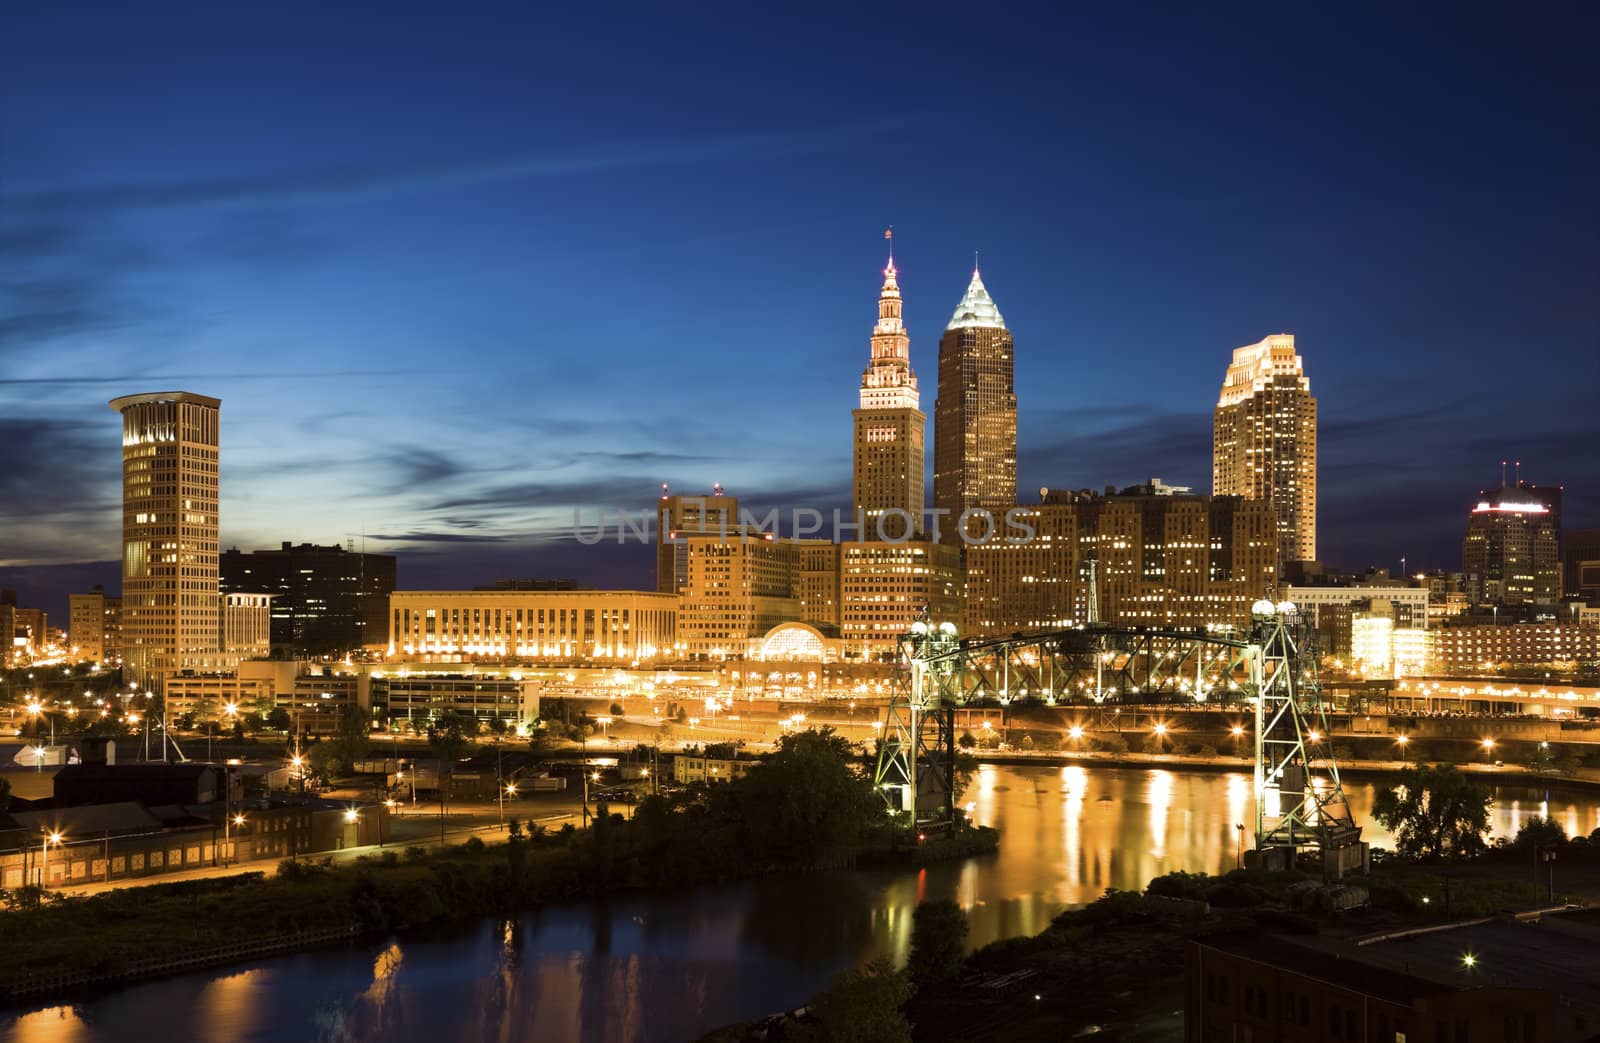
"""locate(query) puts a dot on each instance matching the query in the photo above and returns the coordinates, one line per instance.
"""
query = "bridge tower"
(916, 763)
(1294, 809)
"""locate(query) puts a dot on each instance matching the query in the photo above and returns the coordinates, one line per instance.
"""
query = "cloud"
(339, 183)
(435, 537)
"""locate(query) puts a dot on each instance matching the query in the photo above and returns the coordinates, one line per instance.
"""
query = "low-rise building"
(1477, 648)
(691, 767)
(534, 625)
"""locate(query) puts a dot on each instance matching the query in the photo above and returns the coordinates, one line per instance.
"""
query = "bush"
(1208, 750)
(474, 844)
(416, 854)
(1115, 742)
(1179, 884)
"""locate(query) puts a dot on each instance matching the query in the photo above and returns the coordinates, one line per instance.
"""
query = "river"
(669, 967)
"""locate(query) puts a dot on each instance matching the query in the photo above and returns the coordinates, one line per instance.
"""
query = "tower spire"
(888, 233)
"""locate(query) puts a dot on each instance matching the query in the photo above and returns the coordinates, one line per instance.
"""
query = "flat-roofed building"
(246, 625)
(885, 586)
(1474, 649)
(95, 628)
(1157, 557)
(544, 625)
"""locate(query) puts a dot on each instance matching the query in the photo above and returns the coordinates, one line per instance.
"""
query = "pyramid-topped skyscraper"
(975, 415)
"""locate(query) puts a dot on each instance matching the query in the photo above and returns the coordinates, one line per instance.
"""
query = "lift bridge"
(1272, 670)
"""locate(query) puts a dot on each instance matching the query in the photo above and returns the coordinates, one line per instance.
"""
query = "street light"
(44, 854)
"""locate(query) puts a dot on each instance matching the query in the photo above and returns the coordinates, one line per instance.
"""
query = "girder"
(1272, 667)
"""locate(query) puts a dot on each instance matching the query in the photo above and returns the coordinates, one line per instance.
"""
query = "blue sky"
(455, 272)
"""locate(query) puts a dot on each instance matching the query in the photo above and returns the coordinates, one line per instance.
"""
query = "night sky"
(453, 274)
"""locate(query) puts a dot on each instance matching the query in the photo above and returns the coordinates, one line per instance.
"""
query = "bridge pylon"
(916, 761)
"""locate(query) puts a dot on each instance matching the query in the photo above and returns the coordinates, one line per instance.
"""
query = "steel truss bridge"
(1271, 669)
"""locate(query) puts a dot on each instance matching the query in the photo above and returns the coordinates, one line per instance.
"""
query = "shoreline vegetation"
(805, 807)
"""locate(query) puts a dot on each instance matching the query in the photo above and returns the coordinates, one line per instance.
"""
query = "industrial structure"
(1272, 668)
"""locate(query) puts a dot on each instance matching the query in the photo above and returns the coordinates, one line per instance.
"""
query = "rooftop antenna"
(716, 488)
(974, 262)
(1502, 474)
(1519, 474)
(889, 235)
(663, 490)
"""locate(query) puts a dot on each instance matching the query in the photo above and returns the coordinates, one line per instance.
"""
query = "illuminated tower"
(170, 603)
(975, 416)
(1512, 550)
(1265, 440)
(889, 426)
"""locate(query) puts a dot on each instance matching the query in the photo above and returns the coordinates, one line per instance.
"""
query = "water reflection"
(641, 969)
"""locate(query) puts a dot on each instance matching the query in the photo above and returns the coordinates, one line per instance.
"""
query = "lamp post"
(44, 855)
(1240, 827)
(1402, 741)
(391, 804)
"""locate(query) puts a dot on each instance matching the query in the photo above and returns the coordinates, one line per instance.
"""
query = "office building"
(676, 513)
(975, 415)
(885, 586)
(1476, 649)
(1580, 564)
(246, 625)
(889, 427)
(1265, 440)
(1150, 555)
(455, 625)
(170, 605)
(96, 626)
(817, 583)
(326, 601)
(1511, 552)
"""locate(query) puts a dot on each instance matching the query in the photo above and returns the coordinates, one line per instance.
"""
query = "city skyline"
(257, 278)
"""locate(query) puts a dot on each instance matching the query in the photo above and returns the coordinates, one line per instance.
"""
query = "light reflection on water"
(667, 967)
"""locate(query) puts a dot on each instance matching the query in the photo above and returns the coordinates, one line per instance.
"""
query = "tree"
(279, 720)
(1539, 833)
(807, 802)
(938, 943)
(450, 737)
(860, 1007)
(617, 710)
(1434, 813)
(540, 741)
(351, 740)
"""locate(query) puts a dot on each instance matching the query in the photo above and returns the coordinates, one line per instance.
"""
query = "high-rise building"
(96, 626)
(817, 583)
(1512, 549)
(170, 603)
(325, 600)
(1265, 440)
(975, 416)
(889, 427)
(559, 625)
(885, 586)
(677, 513)
(1151, 557)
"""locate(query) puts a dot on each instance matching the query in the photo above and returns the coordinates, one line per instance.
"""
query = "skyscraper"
(889, 426)
(326, 600)
(170, 603)
(1512, 548)
(975, 416)
(1265, 440)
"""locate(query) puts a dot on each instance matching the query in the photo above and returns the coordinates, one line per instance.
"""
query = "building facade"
(96, 626)
(732, 588)
(817, 582)
(246, 625)
(889, 427)
(975, 415)
(1264, 444)
(327, 601)
(1511, 552)
(170, 461)
(679, 514)
(535, 625)
(1150, 557)
(885, 586)
(1469, 650)
(1580, 564)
